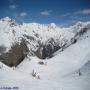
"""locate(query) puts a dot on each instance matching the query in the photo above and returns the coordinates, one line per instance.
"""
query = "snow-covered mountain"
(41, 40)
(50, 52)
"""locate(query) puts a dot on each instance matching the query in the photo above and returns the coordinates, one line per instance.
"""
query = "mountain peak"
(6, 19)
(53, 25)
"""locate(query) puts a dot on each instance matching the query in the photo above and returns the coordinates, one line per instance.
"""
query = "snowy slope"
(7, 72)
(71, 82)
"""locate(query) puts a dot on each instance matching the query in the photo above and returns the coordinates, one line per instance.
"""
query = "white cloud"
(23, 14)
(12, 6)
(46, 12)
(84, 11)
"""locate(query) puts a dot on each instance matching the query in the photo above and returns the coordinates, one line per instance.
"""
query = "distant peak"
(53, 25)
(6, 19)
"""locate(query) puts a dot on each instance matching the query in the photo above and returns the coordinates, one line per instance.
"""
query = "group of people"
(34, 74)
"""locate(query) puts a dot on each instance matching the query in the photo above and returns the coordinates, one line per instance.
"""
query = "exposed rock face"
(15, 55)
(2, 49)
(46, 50)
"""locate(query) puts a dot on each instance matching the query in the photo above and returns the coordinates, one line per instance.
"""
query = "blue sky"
(46, 11)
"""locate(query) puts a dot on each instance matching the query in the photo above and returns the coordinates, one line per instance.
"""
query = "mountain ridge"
(42, 40)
